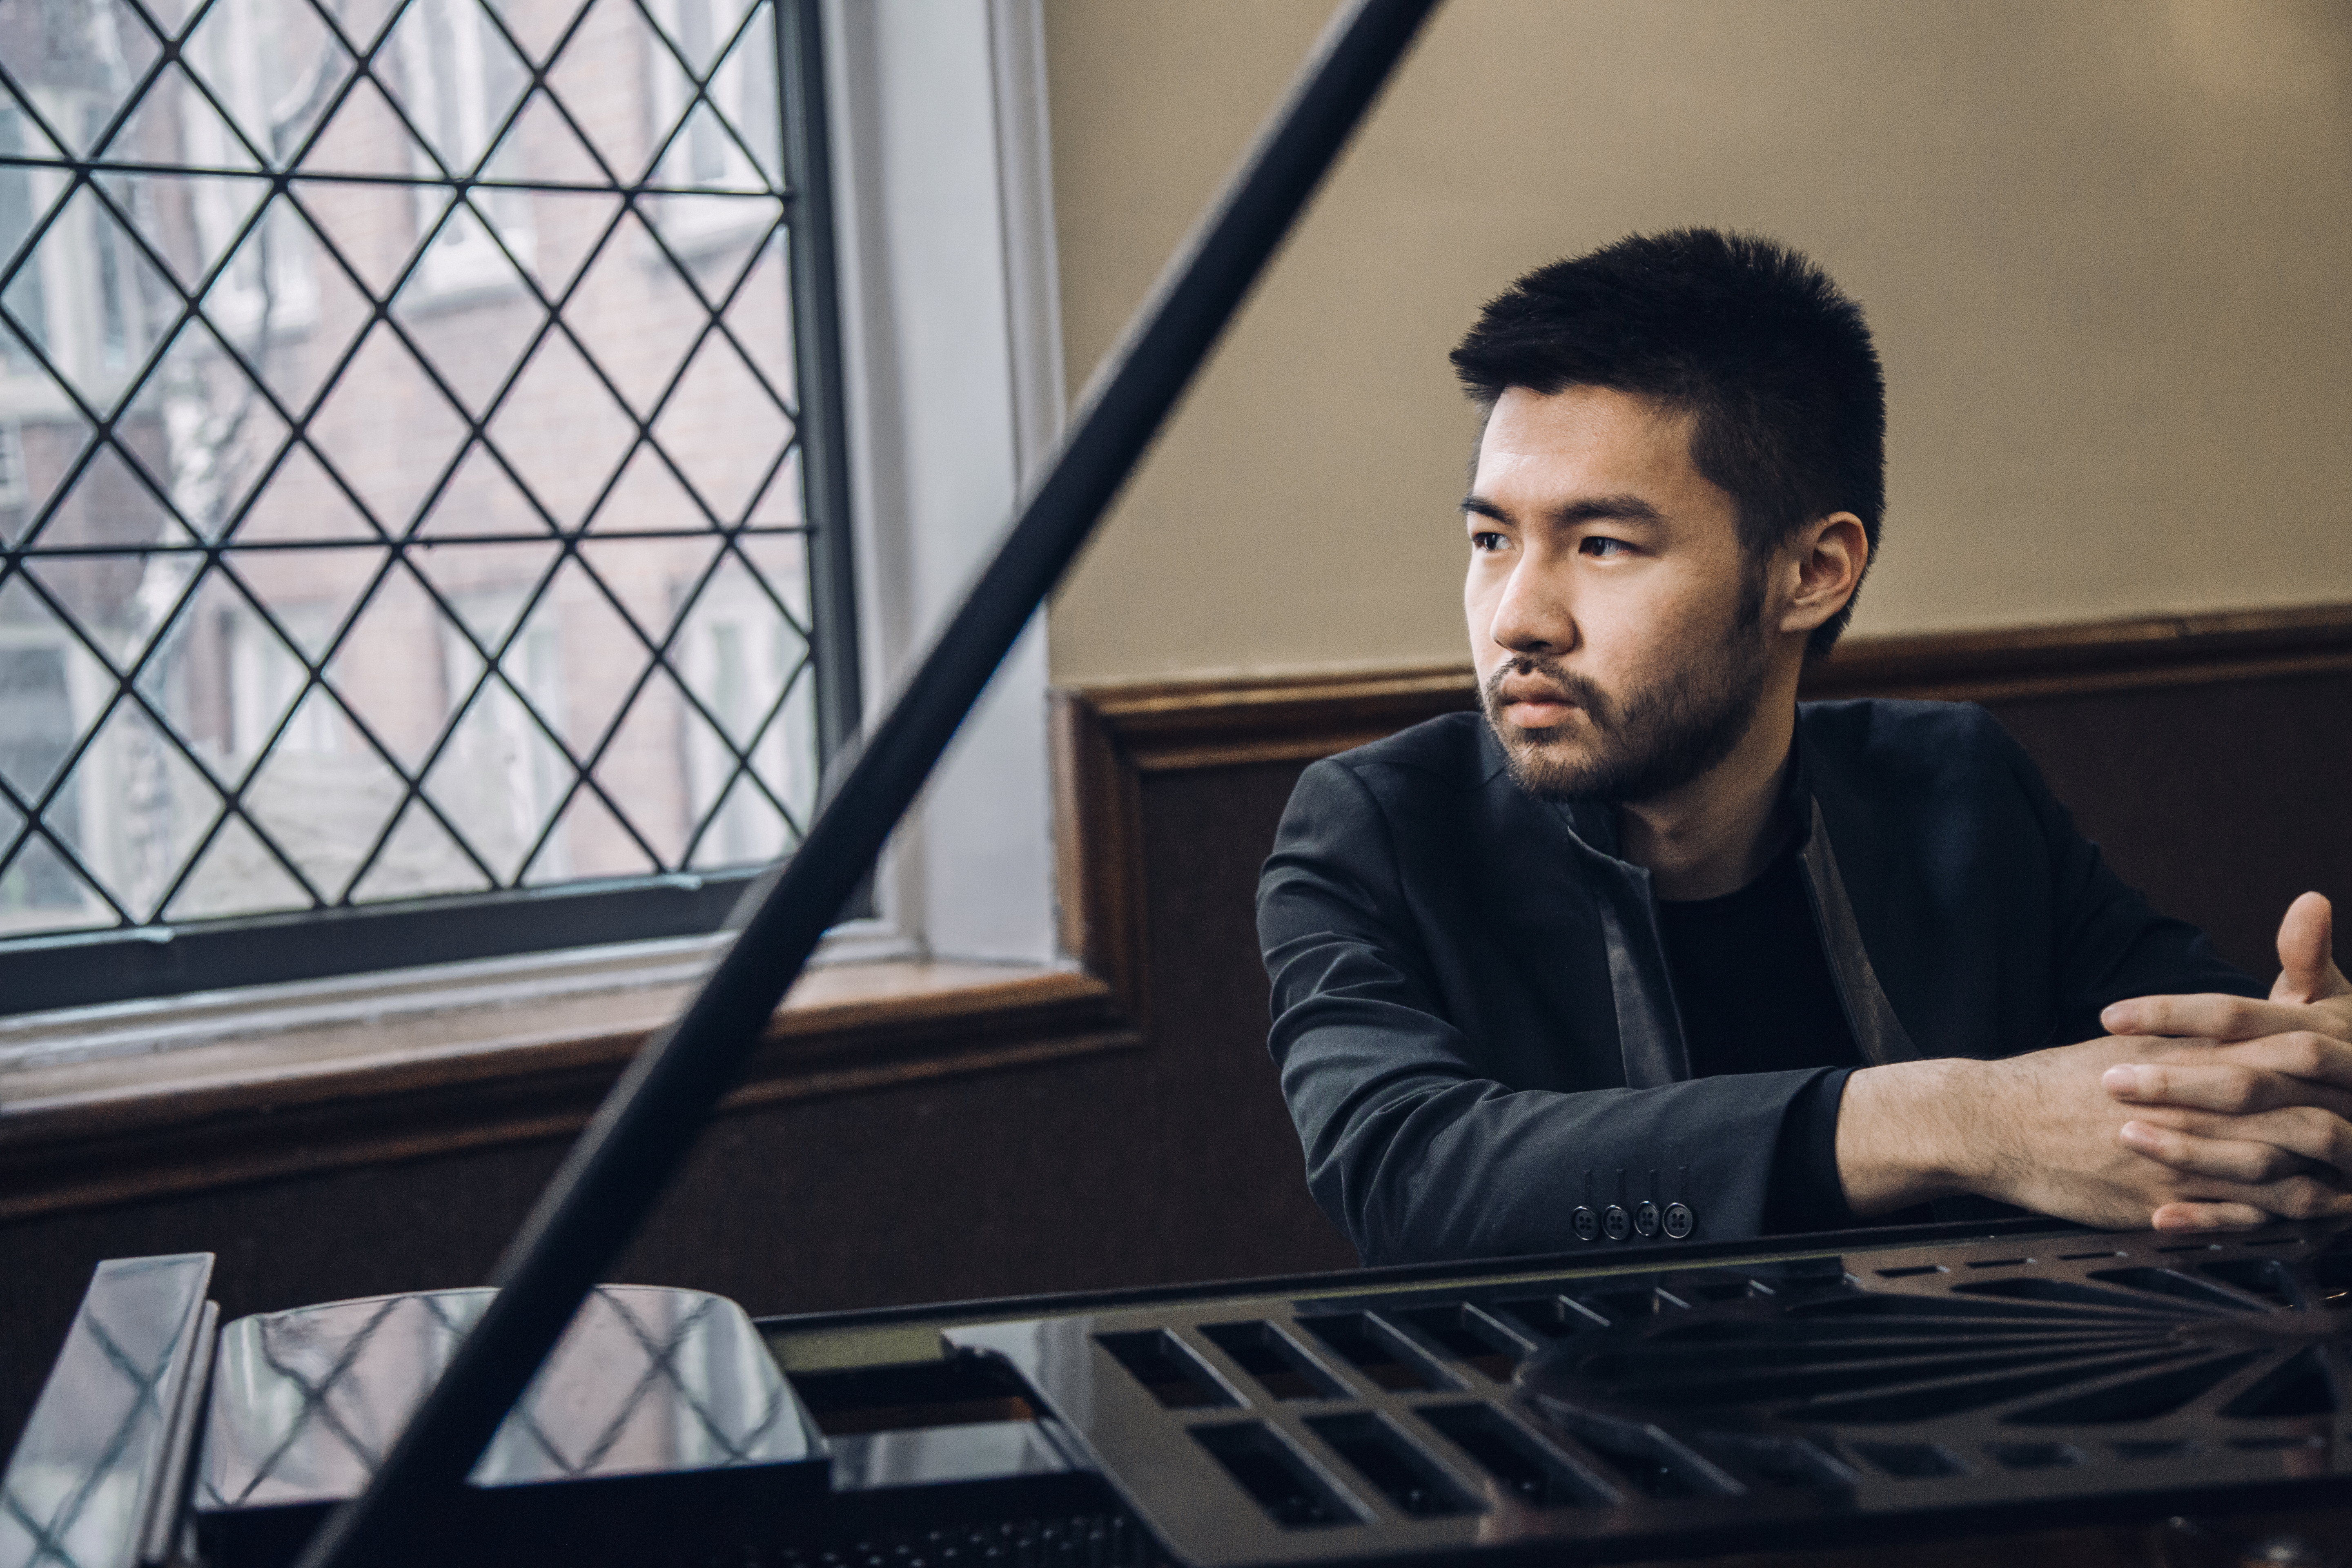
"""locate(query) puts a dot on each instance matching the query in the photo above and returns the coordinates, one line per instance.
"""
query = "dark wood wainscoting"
(2212, 756)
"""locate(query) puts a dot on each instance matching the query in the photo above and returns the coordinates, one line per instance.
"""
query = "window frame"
(969, 875)
(75, 970)
(951, 313)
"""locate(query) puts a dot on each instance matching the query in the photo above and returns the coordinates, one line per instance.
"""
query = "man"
(1647, 948)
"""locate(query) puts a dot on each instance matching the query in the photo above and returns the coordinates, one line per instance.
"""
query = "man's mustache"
(1565, 686)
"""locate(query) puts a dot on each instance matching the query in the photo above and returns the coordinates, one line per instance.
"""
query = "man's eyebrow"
(1594, 509)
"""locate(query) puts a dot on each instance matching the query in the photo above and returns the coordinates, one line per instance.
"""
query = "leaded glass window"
(419, 515)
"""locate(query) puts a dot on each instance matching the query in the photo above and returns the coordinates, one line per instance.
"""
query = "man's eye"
(1600, 545)
(1486, 540)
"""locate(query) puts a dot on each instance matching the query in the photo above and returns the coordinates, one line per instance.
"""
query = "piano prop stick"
(622, 1163)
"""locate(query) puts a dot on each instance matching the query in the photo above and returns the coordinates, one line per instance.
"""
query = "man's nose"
(1532, 616)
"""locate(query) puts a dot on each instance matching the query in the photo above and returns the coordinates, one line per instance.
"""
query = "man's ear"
(1820, 568)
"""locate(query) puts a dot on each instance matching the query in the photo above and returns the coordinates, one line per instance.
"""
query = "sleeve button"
(1616, 1223)
(1585, 1223)
(1645, 1218)
(1680, 1221)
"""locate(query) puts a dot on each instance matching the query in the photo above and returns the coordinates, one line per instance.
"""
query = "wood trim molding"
(1169, 725)
(1099, 848)
(2141, 652)
(86, 1135)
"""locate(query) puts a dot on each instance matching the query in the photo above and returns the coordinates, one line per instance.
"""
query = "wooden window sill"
(78, 1134)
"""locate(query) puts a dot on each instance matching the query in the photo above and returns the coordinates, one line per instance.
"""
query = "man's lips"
(1536, 707)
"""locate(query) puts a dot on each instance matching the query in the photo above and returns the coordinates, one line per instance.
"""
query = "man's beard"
(1654, 740)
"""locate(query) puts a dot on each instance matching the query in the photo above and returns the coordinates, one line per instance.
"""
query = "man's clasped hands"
(2220, 1112)
(2204, 1112)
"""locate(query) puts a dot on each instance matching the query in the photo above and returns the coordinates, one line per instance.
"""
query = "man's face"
(1614, 619)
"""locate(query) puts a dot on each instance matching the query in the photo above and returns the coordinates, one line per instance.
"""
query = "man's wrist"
(1911, 1132)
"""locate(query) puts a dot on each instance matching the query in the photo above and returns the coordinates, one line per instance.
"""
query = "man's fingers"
(2232, 1086)
(2264, 1148)
(2309, 974)
(2207, 1217)
(2224, 1086)
(2231, 1171)
(2249, 1160)
(2307, 970)
(2205, 1017)
(2208, 1017)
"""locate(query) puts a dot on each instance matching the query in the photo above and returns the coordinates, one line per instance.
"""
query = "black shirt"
(1757, 996)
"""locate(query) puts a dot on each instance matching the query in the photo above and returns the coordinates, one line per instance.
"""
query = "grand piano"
(2023, 1391)
(2031, 1392)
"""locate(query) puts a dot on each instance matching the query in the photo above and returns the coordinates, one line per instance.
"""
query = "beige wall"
(2103, 243)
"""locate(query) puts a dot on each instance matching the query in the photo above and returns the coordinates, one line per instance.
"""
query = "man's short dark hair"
(1769, 357)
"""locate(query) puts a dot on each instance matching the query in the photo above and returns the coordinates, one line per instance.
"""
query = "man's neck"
(1717, 833)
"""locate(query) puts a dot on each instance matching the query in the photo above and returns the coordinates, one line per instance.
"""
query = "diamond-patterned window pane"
(429, 523)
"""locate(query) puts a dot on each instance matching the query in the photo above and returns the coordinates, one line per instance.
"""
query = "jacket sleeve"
(2111, 945)
(1412, 1146)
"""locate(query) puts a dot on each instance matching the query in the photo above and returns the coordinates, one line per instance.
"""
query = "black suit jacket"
(1472, 1012)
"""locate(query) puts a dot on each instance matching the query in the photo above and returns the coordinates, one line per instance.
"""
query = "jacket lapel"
(1649, 1024)
(1879, 1034)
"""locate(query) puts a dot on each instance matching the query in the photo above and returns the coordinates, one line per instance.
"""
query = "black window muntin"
(158, 956)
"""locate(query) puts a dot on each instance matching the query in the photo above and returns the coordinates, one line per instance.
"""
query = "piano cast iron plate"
(2019, 1381)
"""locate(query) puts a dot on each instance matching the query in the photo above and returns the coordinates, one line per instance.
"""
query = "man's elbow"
(1351, 1191)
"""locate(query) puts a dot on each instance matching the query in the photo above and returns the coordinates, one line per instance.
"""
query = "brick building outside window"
(405, 478)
